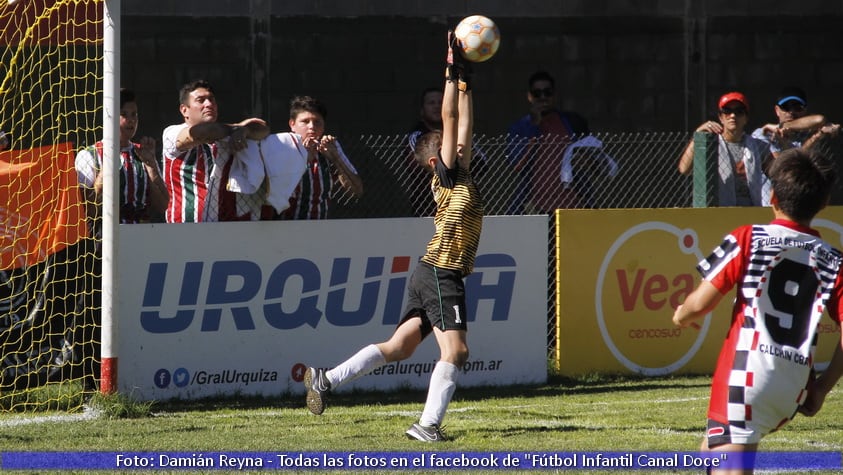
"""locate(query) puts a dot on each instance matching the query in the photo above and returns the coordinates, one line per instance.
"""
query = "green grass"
(597, 413)
(65, 396)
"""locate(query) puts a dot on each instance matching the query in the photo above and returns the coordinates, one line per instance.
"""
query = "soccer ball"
(479, 37)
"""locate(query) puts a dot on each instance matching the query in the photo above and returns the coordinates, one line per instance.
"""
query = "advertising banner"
(225, 308)
(40, 205)
(621, 274)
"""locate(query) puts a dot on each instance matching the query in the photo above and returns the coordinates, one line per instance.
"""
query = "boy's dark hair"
(301, 104)
(428, 146)
(184, 93)
(126, 95)
(802, 182)
(540, 76)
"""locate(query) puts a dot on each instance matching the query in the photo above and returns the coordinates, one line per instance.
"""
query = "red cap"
(733, 96)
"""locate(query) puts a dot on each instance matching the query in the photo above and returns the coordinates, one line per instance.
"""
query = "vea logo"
(644, 276)
(298, 292)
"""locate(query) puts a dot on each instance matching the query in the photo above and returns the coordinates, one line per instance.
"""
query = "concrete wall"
(627, 66)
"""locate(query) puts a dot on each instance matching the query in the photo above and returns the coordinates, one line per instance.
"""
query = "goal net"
(50, 106)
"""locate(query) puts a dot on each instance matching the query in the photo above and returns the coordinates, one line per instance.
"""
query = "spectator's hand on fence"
(237, 139)
(146, 152)
(252, 122)
(711, 127)
(328, 146)
(311, 143)
(771, 131)
(254, 128)
(830, 129)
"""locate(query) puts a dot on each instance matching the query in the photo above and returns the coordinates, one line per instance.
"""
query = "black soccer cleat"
(426, 433)
(318, 386)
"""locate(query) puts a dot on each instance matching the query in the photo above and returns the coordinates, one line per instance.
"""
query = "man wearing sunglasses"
(795, 127)
(740, 158)
(537, 143)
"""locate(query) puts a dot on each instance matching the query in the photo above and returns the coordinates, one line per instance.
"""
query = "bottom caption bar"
(291, 461)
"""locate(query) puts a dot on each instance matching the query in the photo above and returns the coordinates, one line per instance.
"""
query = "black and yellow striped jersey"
(458, 220)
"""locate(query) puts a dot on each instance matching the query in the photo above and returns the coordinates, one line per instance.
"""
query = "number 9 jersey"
(787, 276)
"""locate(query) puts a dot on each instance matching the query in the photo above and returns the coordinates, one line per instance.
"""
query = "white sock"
(361, 363)
(443, 383)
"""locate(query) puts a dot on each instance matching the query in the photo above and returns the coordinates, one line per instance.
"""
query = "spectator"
(787, 278)
(537, 145)
(197, 160)
(142, 198)
(430, 115)
(143, 194)
(327, 164)
(4, 141)
(795, 128)
(740, 158)
(417, 186)
(436, 294)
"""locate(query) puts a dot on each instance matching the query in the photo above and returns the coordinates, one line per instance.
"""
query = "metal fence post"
(705, 170)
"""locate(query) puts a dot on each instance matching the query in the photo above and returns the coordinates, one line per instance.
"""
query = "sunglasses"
(792, 106)
(546, 92)
(733, 110)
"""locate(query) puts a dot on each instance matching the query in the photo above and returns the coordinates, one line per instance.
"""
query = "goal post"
(52, 104)
(111, 205)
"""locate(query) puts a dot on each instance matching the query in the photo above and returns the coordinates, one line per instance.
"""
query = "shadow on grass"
(556, 386)
(516, 431)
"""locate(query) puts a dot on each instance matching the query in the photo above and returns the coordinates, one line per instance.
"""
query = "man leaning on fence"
(740, 158)
(197, 154)
(795, 128)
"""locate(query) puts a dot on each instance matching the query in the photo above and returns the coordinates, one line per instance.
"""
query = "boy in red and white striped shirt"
(786, 278)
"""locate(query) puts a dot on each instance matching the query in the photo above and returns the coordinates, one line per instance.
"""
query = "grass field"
(588, 414)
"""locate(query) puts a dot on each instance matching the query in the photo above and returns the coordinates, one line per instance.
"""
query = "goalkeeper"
(436, 300)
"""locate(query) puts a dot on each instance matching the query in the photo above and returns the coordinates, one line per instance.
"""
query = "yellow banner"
(621, 273)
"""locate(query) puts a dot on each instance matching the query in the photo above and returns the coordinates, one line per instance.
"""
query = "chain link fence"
(526, 176)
